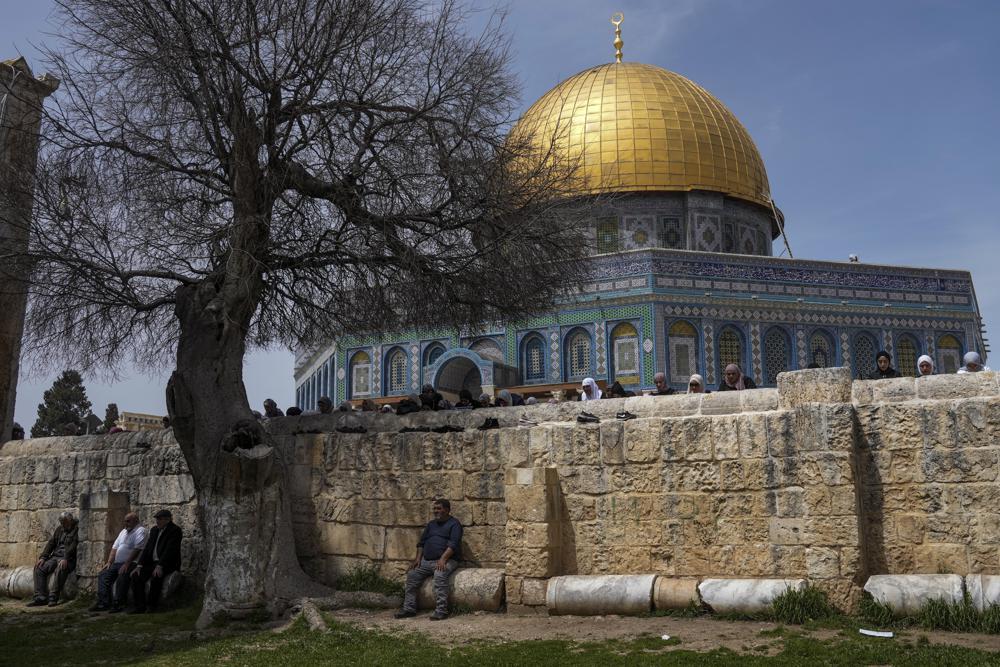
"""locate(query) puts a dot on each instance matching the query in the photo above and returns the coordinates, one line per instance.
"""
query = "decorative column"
(21, 99)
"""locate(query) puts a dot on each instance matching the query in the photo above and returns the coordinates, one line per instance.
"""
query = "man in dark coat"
(59, 555)
(160, 557)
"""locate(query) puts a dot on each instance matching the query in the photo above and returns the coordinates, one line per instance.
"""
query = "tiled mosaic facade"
(787, 314)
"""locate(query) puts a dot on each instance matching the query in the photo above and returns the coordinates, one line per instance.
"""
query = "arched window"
(730, 349)
(776, 358)
(906, 355)
(625, 348)
(949, 353)
(865, 348)
(578, 355)
(360, 375)
(820, 350)
(683, 348)
(487, 348)
(431, 354)
(533, 358)
(395, 369)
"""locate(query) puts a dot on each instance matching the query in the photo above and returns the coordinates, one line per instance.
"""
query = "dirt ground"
(697, 634)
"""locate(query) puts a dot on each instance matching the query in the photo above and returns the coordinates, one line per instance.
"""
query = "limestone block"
(745, 595)
(787, 531)
(949, 387)
(642, 440)
(167, 490)
(907, 593)
(984, 589)
(401, 543)
(758, 400)
(726, 437)
(531, 562)
(70, 589)
(721, 403)
(822, 563)
(673, 593)
(941, 558)
(970, 465)
(533, 591)
(527, 503)
(352, 540)
(816, 385)
(486, 485)
(478, 589)
(752, 434)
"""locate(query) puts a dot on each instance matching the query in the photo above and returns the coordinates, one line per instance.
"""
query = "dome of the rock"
(630, 127)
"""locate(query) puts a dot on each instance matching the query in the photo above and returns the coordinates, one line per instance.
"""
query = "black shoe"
(36, 602)
(438, 617)
(98, 607)
(447, 428)
(137, 610)
(402, 613)
(490, 423)
(587, 418)
(624, 415)
(53, 602)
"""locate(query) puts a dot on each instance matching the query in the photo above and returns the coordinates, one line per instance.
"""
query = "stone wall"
(822, 479)
(98, 478)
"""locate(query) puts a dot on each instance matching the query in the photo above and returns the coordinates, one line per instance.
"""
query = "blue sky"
(879, 124)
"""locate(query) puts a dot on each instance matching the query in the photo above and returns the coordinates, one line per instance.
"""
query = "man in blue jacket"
(438, 552)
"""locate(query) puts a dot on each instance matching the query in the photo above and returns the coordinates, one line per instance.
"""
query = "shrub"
(799, 606)
(368, 578)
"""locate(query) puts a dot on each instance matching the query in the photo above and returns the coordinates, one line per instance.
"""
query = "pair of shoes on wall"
(624, 415)
(447, 428)
(524, 422)
(587, 418)
(490, 423)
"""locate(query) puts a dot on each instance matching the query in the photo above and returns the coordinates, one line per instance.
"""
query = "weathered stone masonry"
(822, 478)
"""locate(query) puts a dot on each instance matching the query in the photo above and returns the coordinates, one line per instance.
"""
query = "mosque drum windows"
(865, 350)
(820, 350)
(776, 355)
(361, 375)
(949, 352)
(397, 371)
(625, 346)
(730, 349)
(906, 355)
(683, 352)
(578, 351)
(534, 359)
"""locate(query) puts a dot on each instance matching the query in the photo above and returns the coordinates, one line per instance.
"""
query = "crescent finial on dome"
(616, 21)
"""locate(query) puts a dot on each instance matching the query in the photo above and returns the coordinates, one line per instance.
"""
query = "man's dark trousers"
(108, 581)
(42, 574)
(143, 575)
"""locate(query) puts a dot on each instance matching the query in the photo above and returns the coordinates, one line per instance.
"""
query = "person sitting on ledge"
(972, 363)
(484, 401)
(271, 409)
(734, 380)
(438, 552)
(429, 398)
(589, 390)
(618, 391)
(112, 581)
(293, 411)
(696, 385)
(324, 405)
(506, 399)
(662, 388)
(17, 433)
(59, 555)
(368, 405)
(884, 368)
(160, 557)
(465, 401)
(925, 366)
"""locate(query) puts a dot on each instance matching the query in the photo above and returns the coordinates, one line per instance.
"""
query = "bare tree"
(219, 174)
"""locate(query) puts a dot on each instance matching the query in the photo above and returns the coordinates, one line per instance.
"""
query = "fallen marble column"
(744, 596)
(17, 582)
(984, 589)
(671, 593)
(479, 589)
(594, 595)
(905, 594)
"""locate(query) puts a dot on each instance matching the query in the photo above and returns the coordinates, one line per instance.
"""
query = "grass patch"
(368, 578)
(959, 617)
(800, 606)
(877, 613)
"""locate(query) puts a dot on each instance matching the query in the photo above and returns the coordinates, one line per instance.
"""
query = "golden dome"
(633, 127)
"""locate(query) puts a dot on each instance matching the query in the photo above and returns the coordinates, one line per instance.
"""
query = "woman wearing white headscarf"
(734, 380)
(925, 366)
(972, 363)
(591, 392)
(696, 385)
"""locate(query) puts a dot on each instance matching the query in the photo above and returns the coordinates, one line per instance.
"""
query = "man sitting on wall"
(437, 555)
(160, 557)
(112, 581)
(58, 555)
(662, 388)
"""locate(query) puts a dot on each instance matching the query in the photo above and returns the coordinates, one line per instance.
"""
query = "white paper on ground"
(875, 633)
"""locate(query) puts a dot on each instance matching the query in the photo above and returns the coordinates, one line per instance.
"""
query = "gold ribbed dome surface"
(633, 127)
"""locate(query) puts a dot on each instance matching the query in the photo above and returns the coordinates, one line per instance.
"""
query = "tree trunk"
(239, 477)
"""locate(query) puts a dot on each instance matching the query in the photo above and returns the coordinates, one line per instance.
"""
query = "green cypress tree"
(65, 405)
(110, 416)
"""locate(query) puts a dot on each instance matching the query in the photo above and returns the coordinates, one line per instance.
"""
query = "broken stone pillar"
(534, 536)
(102, 516)
(21, 98)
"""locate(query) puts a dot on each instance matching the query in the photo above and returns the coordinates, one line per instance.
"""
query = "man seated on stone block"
(59, 555)
(662, 388)
(160, 557)
(112, 581)
(437, 556)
